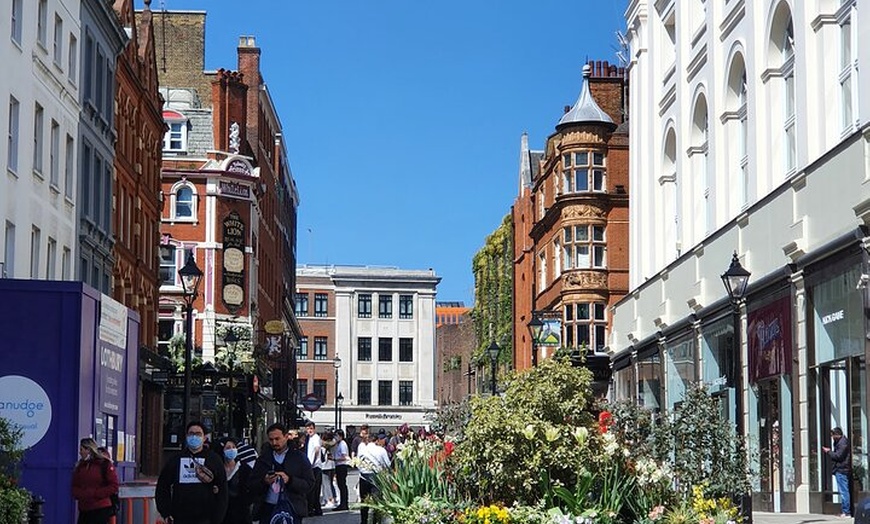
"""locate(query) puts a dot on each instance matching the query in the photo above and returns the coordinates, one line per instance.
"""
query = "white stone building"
(380, 323)
(750, 133)
(40, 49)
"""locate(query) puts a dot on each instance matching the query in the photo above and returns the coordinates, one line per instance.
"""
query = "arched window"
(848, 77)
(789, 98)
(737, 130)
(670, 214)
(703, 196)
(183, 202)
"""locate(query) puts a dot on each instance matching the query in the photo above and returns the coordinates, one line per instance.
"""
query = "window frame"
(406, 349)
(171, 252)
(14, 131)
(594, 247)
(17, 22)
(319, 389)
(172, 136)
(42, 24)
(364, 349)
(593, 322)
(174, 202)
(385, 306)
(364, 392)
(38, 139)
(385, 392)
(406, 307)
(57, 44)
(406, 392)
(364, 305)
(385, 349)
(590, 171)
(54, 155)
(321, 348)
(301, 300)
(321, 305)
(302, 350)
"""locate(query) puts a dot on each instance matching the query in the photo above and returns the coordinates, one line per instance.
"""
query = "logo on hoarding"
(26, 406)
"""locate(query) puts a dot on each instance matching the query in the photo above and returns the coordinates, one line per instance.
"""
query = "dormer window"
(183, 202)
(175, 139)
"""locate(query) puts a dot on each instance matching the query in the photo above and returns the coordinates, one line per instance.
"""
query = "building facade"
(103, 39)
(39, 190)
(750, 138)
(379, 323)
(570, 224)
(455, 343)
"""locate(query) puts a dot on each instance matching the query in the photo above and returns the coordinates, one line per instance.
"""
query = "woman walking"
(238, 473)
(94, 481)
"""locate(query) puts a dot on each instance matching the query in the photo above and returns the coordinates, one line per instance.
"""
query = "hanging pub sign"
(233, 282)
(770, 340)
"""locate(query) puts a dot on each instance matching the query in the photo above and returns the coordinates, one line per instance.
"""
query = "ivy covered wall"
(493, 287)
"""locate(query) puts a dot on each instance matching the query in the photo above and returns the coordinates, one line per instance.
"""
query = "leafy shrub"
(14, 500)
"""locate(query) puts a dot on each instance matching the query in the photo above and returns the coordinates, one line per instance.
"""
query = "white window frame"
(14, 129)
(586, 250)
(54, 155)
(35, 244)
(789, 113)
(172, 136)
(173, 202)
(594, 321)
(848, 75)
(17, 21)
(542, 270)
(9, 251)
(38, 138)
(57, 45)
(69, 167)
(591, 170)
(72, 62)
(50, 256)
(42, 25)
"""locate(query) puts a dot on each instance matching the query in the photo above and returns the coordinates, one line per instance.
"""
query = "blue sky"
(403, 117)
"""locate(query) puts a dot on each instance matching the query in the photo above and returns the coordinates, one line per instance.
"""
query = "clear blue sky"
(403, 117)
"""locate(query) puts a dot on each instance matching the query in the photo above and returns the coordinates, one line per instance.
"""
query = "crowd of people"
(300, 473)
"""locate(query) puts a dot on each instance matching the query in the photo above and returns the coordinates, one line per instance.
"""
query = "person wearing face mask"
(238, 475)
(192, 486)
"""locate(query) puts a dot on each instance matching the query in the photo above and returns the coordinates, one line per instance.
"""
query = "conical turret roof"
(585, 110)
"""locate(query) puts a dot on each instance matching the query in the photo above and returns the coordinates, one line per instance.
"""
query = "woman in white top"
(373, 457)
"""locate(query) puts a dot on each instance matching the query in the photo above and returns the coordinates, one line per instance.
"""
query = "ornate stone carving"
(583, 211)
(585, 279)
(235, 141)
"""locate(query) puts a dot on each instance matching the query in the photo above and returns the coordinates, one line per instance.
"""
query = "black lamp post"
(736, 280)
(493, 350)
(536, 326)
(191, 276)
(231, 338)
(340, 403)
(336, 363)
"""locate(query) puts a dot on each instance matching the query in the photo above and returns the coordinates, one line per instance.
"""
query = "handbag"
(283, 513)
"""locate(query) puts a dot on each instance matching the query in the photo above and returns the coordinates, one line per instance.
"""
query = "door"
(770, 444)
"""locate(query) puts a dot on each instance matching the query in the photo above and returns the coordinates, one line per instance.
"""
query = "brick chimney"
(230, 104)
(249, 67)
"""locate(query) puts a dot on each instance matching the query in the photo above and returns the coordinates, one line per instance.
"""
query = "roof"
(585, 110)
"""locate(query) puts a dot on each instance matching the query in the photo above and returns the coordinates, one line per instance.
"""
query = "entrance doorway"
(769, 445)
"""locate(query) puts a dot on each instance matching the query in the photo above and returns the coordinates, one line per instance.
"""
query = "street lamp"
(337, 364)
(536, 327)
(493, 350)
(340, 404)
(191, 276)
(736, 280)
(231, 338)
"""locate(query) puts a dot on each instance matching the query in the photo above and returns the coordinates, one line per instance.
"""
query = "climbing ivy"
(493, 292)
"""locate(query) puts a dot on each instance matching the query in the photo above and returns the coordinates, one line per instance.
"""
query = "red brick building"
(571, 222)
(229, 201)
(139, 131)
(455, 342)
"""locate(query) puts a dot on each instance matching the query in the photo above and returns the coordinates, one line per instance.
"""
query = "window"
(58, 40)
(42, 23)
(175, 139)
(321, 304)
(320, 348)
(743, 149)
(50, 256)
(583, 171)
(406, 306)
(89, 68)
(165, 332)
(99, 66)
(406, 392)
(72, 61)
(789, 98)
(320, 389)
(184, 202)
(301, 304)
(86, 178)
(385, 350)
(385, 393)
(9, 251)
(585, 326)
(364, 305)
(302, 350)
(68, 167)
(96, 177)
(385, 306)
(35, 242)
(364, 349)
(557, 259)
(54, 154)
(65, 261)
(364, 392)
(542, 270)
(167, 265)
(301, 387)
(38, 128)
(12, 142)
(406, 350)
(848, 77)
(17, 18)
(584, 247)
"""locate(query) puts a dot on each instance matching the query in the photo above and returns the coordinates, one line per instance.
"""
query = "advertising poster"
(112, 355)
(233, 288)
(769, 337)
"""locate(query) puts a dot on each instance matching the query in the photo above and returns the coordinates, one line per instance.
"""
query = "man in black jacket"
(841, 456)
(192, 486)
(287, 463)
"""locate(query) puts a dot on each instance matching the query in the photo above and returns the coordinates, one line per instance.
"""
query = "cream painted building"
(750, 133)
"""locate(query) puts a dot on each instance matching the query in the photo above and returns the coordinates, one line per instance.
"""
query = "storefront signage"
(112, 355)
(234, 189)
(233, 285)
(274, 327)
(770, 340)
(383, 416)
(833, 317)
(26, 406)
(239, 167)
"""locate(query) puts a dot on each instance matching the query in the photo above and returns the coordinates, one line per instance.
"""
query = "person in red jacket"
(94, 481)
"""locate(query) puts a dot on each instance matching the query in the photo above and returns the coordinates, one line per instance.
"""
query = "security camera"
(862, 281)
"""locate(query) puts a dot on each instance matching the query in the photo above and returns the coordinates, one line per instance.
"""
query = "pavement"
(793, 518)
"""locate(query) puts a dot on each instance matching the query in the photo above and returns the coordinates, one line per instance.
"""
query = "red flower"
(605, 419)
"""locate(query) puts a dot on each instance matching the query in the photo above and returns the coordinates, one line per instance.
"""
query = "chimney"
(567, 108)
(249, 67)
(229, 103)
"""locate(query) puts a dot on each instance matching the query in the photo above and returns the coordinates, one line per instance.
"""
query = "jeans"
(843, 486)
(367, 488)
(341, 480)
(314, 508)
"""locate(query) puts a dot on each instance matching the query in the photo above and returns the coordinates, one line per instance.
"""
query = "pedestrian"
(841, 457)
(238, 477)
(283, 464)
(373, 457)
(328, 496)
(116, 501)
(363, 435)
(192, 486)
(94, 481)
(313, 445)
(342, 464)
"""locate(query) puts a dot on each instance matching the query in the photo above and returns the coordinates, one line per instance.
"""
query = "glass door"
(770, 443)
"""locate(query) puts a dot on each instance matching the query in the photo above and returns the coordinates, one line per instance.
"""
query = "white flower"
(551, 434)
(580, 434)
(529, 432)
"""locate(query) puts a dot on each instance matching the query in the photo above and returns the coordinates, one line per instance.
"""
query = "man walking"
(283, 464)
(192, 486)
(342, 463)
(313, 445)
(841, 456)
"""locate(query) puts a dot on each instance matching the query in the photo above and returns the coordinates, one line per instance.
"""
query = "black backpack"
(116, 500)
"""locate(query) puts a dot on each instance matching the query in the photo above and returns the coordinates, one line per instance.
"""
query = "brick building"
(571, 222)
(229, 201)
(139, 132)
(455, 342)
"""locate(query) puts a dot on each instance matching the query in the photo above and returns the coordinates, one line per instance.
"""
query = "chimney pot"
(567, 108)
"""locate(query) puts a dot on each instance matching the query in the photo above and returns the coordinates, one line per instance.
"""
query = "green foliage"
(239, 355)
(493, 292)
(533, 427)
(14, 500)
(176, 353)
(451, 420)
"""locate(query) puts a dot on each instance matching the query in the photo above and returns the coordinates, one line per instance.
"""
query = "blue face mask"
(231, 453)
(194, 441)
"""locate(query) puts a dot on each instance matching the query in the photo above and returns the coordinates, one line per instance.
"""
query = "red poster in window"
(770, 340)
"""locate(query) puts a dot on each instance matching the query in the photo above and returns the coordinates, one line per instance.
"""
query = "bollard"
(34, 514)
